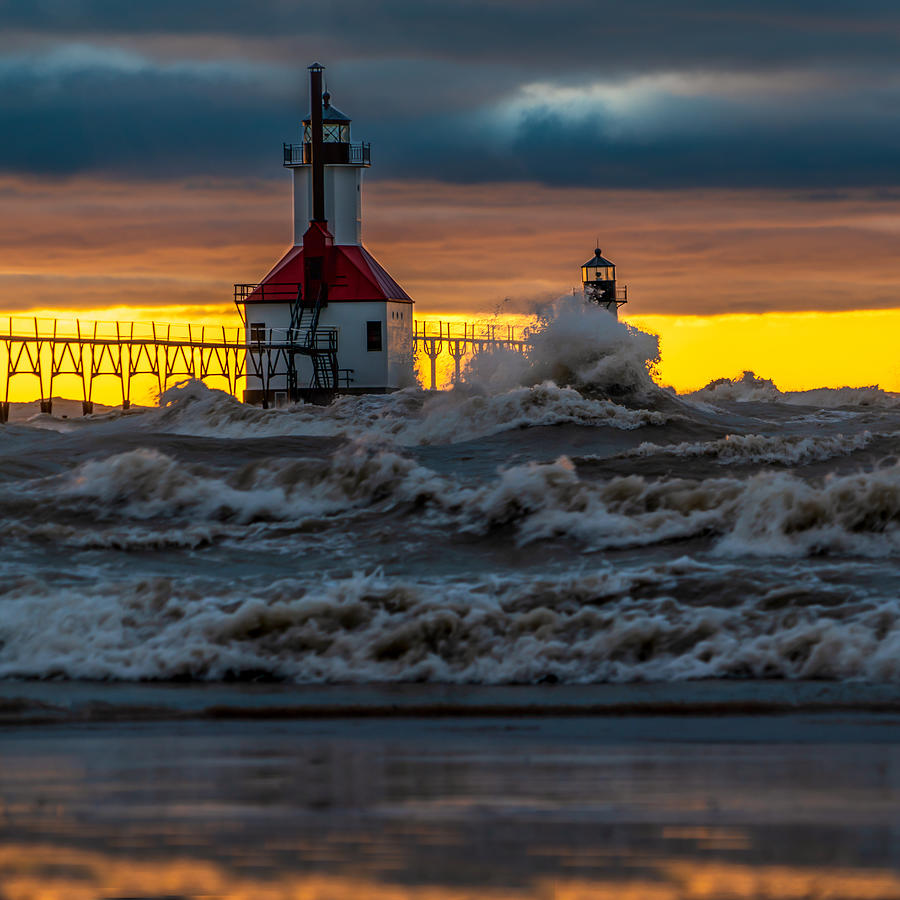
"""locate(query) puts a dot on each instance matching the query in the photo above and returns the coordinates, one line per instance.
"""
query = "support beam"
(317, 142)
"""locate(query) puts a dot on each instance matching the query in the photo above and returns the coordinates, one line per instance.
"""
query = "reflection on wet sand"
(53, 872)
(444, 810)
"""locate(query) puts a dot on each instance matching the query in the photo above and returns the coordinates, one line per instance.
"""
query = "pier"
(460, 340)
(221, 356)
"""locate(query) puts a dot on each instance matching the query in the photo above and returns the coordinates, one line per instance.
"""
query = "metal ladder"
(304, 325)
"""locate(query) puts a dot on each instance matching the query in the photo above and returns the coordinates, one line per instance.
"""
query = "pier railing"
(47, 349)
(497, 332)
(460, 340)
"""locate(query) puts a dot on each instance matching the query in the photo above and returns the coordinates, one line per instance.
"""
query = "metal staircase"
(306, 340)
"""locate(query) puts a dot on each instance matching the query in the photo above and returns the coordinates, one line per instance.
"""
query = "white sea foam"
(606, 625)
(580, 345)
(407, 418)
(749, 387)
(767, 514)
(146, 484)
(760, 448)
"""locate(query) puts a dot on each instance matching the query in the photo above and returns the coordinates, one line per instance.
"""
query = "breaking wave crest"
(769, 514)
(605, 626)
(766, 514)
(407, 418)
(582, 346)
(584, 368)
(735, 449)
(146, 484)
(749, 387)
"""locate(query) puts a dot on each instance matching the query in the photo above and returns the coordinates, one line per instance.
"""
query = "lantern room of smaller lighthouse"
(598, 282)
(344, 163)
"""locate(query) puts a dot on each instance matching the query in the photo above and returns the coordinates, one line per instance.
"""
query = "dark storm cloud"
(92, 116)
(593, 33)
(597, 93)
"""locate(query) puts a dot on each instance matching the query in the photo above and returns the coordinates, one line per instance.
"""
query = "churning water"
(560, 518)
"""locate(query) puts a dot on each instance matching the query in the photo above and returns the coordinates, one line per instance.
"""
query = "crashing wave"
(738, 449)
(767, 514)
(407, 418)
(608, 625)
(748, 388)
(579, 345)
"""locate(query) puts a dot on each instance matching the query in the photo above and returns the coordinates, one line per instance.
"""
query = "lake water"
(717, 570)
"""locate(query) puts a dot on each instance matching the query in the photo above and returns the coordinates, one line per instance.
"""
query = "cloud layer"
(595, 94)
(90, 243)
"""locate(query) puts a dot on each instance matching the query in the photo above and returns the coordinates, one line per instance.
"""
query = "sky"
(735, 159)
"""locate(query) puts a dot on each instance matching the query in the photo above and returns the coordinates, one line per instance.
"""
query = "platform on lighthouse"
(359, 154)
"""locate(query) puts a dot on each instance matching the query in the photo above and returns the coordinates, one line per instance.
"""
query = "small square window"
(373, 336)
(257, 331)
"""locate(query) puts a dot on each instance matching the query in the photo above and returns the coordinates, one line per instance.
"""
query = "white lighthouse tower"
(344, 164)
(344, 322)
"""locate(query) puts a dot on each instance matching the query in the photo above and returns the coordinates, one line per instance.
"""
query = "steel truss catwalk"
(47, 349)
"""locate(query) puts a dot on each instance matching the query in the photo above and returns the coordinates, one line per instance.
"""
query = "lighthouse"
(331, 312)
(598, 280)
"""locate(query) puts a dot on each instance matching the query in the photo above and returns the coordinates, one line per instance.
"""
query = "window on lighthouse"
(336, 134)
(373, 336)
(332, 133)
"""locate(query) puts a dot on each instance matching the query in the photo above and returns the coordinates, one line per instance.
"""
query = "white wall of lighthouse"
(383, 364)
(343, 202)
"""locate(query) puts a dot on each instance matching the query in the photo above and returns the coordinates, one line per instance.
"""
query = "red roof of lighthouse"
(357, 276)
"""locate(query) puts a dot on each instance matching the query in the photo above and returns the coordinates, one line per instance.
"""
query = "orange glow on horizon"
(59, 872)
(712, 272)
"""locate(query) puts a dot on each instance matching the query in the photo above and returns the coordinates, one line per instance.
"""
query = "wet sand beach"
(630, 803)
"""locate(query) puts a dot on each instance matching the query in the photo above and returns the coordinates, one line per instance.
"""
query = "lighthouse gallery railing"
(359, 154)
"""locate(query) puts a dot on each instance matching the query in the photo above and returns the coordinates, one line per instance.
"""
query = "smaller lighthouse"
(598, 280)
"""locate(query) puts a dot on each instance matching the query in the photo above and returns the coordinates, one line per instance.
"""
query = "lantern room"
(335, 125)
(335, 135)
(598, 279)
(598, 269)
